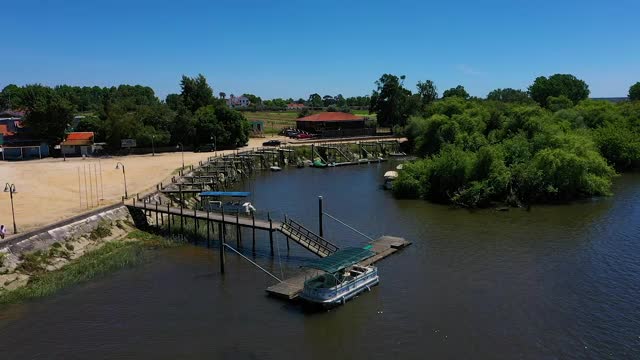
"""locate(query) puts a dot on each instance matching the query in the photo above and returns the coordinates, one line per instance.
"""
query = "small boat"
(342, 279)
(389, 178)
(227, 201)
(319, 163)
(275, 168)
(399, 167)
(397, 154)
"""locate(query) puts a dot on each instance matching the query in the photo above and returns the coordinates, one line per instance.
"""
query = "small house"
(78, 144)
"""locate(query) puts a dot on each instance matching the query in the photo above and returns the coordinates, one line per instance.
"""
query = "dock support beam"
(238, 233)
(208, 229)
(320, 216)
(270, 233)
(253, 227)
(221, 238)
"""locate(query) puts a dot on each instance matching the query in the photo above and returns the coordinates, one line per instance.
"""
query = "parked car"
(304, 136)
(271, 143)
(206, 148)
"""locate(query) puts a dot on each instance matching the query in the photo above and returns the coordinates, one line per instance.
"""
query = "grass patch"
(102, 231)
(110, 257)
(2, 257)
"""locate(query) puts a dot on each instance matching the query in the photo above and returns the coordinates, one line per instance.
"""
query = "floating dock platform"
(382, 247)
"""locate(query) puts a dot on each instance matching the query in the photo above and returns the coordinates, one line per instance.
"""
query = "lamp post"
(181, 147)
(124, 174)
(153, 147)
(11, 189)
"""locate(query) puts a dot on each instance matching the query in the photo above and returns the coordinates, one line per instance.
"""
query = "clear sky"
(294, 48)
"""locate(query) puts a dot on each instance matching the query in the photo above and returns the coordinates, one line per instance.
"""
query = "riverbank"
(104, 250)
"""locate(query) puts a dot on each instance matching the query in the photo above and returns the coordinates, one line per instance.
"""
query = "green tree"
(173, 101)
(48, 115)
(634, 92)
(427, 91)
(558, 85)
(391, 101)
(458, 91)
(315, 100)
(11, 97)
(557, 103)
(196, 92)
(509, 95)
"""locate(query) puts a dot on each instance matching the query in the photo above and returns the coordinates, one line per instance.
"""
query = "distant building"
(335, 124)
(16, 141)
(238, 102)
(294, 106)
(78, 144)
(257, 127)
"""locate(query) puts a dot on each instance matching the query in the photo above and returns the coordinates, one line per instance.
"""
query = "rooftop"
(331, 116)
(340, 259)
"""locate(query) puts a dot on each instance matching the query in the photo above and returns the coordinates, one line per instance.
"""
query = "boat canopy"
(340, 259)
(391, 175)
(226, 193)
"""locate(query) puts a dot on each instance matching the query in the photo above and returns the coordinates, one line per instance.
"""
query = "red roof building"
(78, 143)
(335, 124)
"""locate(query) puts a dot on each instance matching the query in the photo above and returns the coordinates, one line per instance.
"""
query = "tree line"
(193, 117)
(547, 144)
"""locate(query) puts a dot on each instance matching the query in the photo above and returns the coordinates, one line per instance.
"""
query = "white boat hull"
(328, 297)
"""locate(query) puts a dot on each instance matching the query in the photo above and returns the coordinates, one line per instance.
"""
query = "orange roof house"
(79, 139)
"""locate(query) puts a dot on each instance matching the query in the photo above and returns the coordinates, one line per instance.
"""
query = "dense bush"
(477, 153)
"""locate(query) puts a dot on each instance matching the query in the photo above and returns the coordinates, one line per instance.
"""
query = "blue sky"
(294, 48)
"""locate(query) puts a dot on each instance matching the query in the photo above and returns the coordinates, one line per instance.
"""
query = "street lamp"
(11, 189)
(126, 194)
(181, 147)
(153, 148)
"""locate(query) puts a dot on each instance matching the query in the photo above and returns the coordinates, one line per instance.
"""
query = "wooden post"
(320, 215)
(253, 227)
(208, 229)
(238, 234)
(224, 228)
(221, 238)
(181, 212)
(270, 232)
(157, 225)
(169, 218)
(197, 226)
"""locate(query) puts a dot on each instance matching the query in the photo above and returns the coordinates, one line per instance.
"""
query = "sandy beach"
(51, 189)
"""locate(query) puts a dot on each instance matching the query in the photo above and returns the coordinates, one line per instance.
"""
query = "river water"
(556, 282)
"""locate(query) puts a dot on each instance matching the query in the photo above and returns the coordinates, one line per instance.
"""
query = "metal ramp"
(306, 238)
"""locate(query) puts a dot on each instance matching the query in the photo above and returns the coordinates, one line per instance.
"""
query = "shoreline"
(107, 249)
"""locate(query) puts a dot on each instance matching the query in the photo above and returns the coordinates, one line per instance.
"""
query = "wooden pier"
(382, 247)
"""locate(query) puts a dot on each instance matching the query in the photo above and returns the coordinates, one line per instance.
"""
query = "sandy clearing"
(47, 189)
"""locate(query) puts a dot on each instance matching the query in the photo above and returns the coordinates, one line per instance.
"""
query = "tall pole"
(12, 189)
(90, 183)
(101, 182)
(95, 173)
(79, 188)
(124, 174)
(153, 148)
(86, 192)
(320, 214)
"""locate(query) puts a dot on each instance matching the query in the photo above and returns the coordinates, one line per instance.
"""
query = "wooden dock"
(382, 247)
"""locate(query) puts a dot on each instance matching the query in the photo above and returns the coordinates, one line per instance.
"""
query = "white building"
(238, 102)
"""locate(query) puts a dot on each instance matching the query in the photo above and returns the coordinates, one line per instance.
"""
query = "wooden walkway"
(382, 247)
(291, 229)
(228, 218)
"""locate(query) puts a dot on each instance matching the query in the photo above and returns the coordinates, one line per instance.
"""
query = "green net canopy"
(340, 259)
